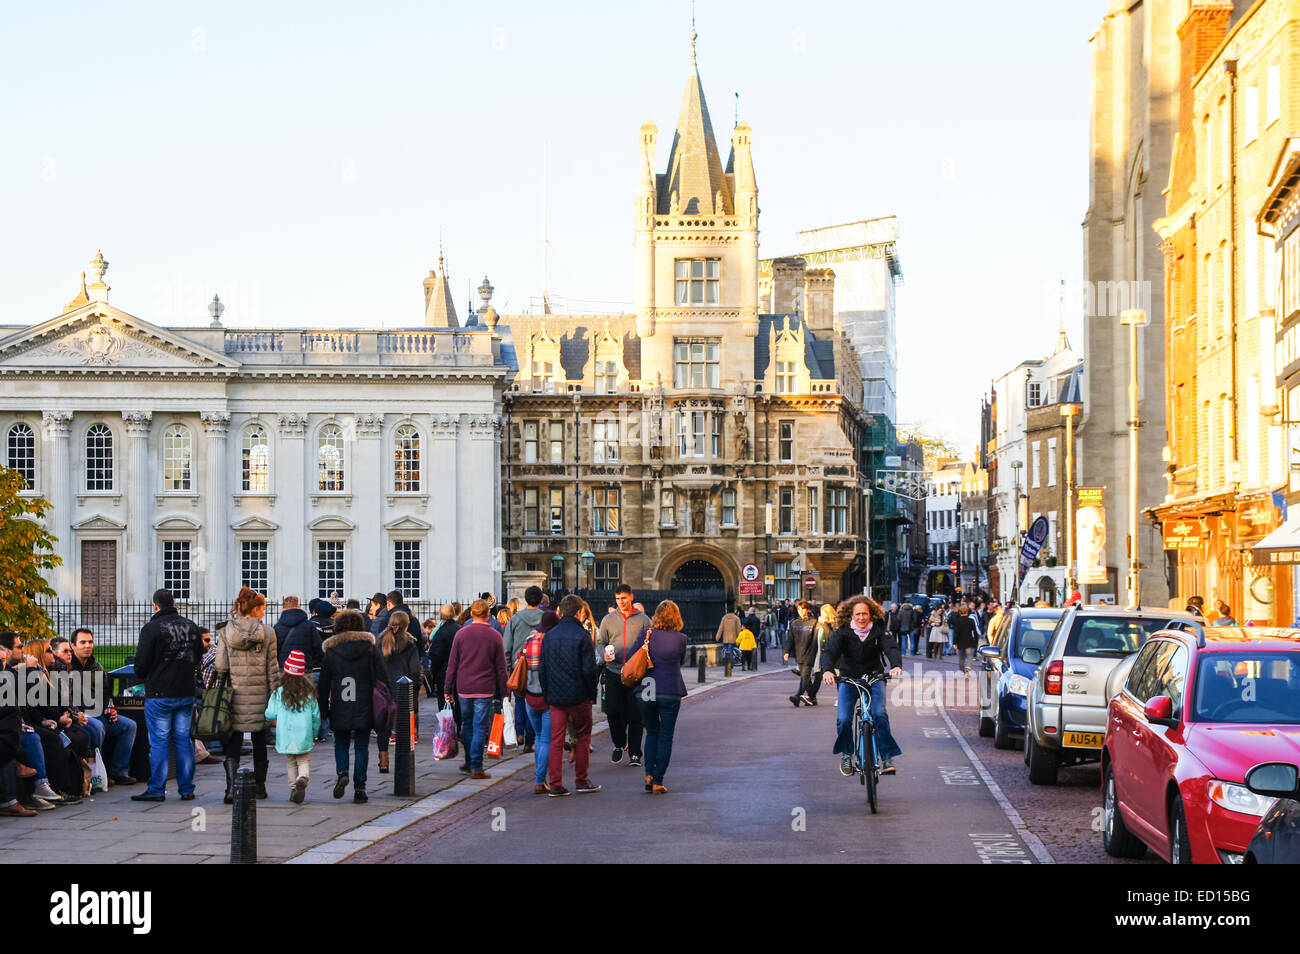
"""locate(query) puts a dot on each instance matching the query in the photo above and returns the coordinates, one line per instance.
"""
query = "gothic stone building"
(717, 426)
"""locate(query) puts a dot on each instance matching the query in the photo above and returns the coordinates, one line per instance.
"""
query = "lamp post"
(1133, 319)
(1015, 548)
(1068, 411)
(588, 561)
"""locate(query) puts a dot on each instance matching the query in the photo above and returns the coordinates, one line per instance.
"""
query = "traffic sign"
(769, 579)
(810, 581)
(953, 566)
(750, 572)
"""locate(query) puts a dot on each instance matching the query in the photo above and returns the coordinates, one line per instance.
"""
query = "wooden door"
(99, 581)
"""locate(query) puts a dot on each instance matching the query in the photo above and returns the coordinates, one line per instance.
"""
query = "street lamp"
(1133, 318)
(1068, 411)
(588, 561)
(1015, 549)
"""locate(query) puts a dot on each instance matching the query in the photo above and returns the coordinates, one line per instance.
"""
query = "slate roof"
(818, 355)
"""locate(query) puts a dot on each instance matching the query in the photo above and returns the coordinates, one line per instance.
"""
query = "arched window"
(329, 458)
(406, 459)
(99, 457)
(21, 453)
(255, 461)
(177, 454)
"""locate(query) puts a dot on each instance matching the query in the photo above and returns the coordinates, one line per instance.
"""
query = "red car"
(1198, 710)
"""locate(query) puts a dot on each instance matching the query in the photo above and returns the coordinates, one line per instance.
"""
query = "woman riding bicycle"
(859, 648)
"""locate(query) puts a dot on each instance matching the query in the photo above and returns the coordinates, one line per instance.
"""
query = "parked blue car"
(1006, 673)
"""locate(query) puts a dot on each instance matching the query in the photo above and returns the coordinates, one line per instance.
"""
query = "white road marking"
(1028, 837)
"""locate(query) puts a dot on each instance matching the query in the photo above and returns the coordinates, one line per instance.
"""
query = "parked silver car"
(1073, 685)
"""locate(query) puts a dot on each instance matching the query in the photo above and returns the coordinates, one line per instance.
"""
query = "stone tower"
(696, 238)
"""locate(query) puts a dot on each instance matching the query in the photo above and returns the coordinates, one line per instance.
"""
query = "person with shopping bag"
(476, 676)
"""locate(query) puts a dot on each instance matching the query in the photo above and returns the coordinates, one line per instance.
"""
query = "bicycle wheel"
(856, 759)
(869, 770)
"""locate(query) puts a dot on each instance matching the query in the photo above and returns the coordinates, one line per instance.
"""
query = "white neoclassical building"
(298, 462)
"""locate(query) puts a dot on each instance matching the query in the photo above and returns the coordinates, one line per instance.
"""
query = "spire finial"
(693, 33)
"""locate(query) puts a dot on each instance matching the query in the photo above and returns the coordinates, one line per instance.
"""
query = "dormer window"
(785, 377)
(544, 377)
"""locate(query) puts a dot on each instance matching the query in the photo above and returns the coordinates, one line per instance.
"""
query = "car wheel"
(1118, 841)
(1180, 845)
(1001, 737)
(1043, 762)
(986, 727)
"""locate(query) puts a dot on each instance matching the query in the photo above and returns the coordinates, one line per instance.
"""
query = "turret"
(644, 242)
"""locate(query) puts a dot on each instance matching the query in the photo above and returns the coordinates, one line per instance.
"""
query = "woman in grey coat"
(247, 652)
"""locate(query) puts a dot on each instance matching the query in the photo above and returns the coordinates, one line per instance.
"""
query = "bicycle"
(864, 737)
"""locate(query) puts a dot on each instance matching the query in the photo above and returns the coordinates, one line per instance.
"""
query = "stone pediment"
(98, 522)
(332, 522)
(408, 524)
(99, 337)
(176, 521)
(255, 525)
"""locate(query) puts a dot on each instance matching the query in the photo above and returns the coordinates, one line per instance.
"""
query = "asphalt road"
(753, 779)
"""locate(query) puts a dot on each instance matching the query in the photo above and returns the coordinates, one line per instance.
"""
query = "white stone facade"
(348, 461)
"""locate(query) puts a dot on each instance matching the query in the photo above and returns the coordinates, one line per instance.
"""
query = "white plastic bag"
(508, 710)
(98, 774)
(444, 737)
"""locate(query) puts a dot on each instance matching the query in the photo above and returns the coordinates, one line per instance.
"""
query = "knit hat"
(321, 607)
(296, 664)
(549, 620)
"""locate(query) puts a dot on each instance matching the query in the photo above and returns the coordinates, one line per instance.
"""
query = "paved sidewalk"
(109, 828)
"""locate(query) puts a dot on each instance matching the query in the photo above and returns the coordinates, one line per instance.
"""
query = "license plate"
(1083, 740)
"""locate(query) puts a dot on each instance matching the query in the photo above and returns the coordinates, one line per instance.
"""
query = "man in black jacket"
(168, 656)
(569, 676)
(296, 630)
(860, 648)
(801, 645)
(322, 617)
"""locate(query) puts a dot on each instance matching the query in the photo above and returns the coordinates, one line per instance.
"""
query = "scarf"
(862, 633)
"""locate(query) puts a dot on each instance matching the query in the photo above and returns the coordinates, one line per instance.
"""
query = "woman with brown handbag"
(659, 696)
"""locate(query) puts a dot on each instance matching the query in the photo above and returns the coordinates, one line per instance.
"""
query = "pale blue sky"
(302, 159)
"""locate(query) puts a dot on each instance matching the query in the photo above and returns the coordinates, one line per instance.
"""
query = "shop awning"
(1280, 547)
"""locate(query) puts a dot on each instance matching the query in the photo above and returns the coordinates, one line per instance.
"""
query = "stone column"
(140, 582)
(293, 563)
(478, 478)
(57, 461)
(444, 579)
(369, 476)
(216, 532)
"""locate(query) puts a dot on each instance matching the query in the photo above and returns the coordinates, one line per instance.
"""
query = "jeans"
(32, 754)
(539, 720)
(119, 736)
(323, 734)
(660, 719)
(579, 717)
(524, 730)
(848, 698)
(964, 658)
(476, 716)
(624, 717)
(168, 721)
(359, 739)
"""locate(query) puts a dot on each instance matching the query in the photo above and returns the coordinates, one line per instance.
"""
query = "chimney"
(787, 286)
(819, 293)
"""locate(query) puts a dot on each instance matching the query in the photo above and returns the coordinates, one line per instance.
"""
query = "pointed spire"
(81, 299)
(1062, 342)
(439, 309)
(694, 165)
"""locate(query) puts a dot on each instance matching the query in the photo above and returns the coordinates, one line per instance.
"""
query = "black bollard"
(404, 760)
(762, 653)
(694, 655)
(727, 666)
(704, 659)
(243, 820)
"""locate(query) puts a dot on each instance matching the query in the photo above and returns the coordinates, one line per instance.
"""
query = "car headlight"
(1018, 686)
(1238, 798)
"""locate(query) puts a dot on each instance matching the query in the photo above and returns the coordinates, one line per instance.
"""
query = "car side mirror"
(1275, 779)
(1159, 710)
(1031, 655)
(990, 653)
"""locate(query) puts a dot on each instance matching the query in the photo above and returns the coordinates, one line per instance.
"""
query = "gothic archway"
(697, 575)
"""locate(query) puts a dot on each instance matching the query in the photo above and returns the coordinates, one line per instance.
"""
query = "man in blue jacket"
(569, 677)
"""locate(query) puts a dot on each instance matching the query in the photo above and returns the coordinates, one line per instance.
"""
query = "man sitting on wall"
(109, 732)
